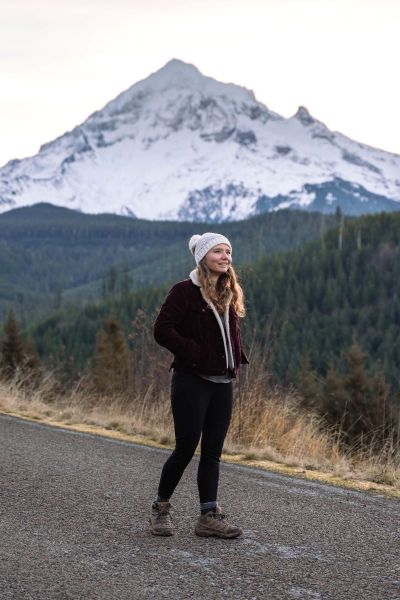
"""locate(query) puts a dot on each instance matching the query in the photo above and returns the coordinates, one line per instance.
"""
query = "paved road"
(73, 524)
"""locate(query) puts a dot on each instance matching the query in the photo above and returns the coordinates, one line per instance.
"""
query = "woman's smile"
(219, 258)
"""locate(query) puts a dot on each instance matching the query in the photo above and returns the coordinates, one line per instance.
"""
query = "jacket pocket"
(194, 353)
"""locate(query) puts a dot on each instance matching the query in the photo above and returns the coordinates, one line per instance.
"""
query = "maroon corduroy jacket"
(188, 328)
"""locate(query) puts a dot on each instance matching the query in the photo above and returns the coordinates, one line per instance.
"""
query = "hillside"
(311, 301)
(50, 256)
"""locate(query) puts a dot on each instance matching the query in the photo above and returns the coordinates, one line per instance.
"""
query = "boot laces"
(219, 516)
(163, 516)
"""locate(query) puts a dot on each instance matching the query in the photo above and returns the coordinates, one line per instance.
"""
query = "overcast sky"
(63, 59)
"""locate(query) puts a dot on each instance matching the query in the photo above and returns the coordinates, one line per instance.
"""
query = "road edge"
(291, 471)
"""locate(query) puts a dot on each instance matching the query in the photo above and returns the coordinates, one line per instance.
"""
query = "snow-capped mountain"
(179, 145)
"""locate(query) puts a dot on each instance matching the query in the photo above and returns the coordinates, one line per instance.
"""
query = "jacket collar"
(194, 277)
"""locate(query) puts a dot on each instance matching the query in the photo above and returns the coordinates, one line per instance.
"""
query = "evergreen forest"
(314, 288)
(52, 257)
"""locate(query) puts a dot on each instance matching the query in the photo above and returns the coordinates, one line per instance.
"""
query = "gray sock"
(159, 499)
(205, 507)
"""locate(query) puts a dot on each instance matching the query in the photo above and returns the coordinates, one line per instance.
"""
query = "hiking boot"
(160, 519)
(215, 524)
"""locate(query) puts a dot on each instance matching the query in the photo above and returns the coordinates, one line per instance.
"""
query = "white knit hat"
(199, 245)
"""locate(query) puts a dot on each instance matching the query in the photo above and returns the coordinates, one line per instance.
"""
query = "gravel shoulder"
(73, 513)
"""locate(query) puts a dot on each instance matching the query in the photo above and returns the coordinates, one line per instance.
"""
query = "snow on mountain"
(179, 145)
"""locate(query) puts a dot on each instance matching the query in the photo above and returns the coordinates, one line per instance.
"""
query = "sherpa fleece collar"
(194, 276)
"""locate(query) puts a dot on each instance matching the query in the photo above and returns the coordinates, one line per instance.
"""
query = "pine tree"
(368, 394)
(336, 399)
(357, 402)
(12, 352)
(112, 363)
(309, 386)
(340, 221)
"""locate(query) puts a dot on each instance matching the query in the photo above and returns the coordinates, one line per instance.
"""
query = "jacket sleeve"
(171, 314)
(241, 357)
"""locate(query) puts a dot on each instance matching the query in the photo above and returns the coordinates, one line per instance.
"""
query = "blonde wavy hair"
(226, 292)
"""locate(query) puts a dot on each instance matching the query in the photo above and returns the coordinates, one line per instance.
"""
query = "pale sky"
(63, 59)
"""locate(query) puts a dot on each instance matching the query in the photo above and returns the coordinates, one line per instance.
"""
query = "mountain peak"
(177, 65)
(179, 74)
(304, 116)
(175, 73)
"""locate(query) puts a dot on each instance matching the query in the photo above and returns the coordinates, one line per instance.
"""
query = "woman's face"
(218, 259)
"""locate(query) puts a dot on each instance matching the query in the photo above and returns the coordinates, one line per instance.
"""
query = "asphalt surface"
(73, 524)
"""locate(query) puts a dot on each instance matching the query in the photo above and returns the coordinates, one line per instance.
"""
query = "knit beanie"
(199, 245)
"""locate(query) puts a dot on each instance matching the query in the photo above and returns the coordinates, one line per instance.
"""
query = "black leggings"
(199, 408)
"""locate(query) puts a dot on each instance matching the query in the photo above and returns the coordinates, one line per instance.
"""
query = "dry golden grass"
(267, 424)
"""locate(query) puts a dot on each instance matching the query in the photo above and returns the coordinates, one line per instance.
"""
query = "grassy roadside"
(155, 430)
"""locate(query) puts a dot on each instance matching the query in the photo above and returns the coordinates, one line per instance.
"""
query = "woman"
(199, 324)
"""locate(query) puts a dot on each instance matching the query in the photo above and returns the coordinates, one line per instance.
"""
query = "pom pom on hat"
(192, 243)
(199, 245)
